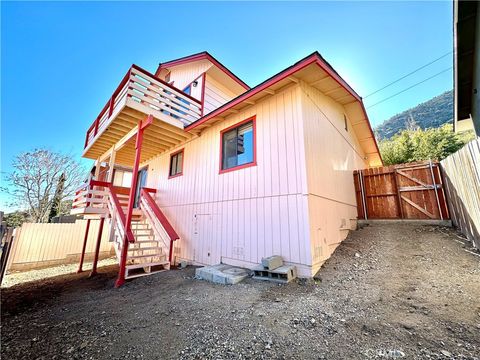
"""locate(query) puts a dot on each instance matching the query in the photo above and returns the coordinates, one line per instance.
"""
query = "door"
(141, 182)
(204, 247)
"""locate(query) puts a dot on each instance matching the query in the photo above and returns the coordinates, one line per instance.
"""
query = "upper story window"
(122, 178)
(238, 146)
(176, 164)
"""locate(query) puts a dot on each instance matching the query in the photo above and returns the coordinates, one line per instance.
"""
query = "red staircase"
(146, 243)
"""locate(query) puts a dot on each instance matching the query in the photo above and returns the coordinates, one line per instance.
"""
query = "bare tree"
(35, 180)
(57, 198)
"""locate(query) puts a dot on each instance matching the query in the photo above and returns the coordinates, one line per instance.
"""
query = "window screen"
(176, 164)
(237, 146)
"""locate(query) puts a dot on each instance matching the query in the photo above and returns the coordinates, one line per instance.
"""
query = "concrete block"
(235, 275)
(272, 262)
(221, 274)
(284, 274)
(219, 278)
(204, 274)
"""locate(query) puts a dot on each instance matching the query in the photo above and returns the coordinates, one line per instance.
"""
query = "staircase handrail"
(167, 227)
(116, 207)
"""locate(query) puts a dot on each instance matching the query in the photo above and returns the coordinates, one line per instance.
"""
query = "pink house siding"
(332, 153)
(216, 94)
(295, 199)
(241, 216)
(182, 75)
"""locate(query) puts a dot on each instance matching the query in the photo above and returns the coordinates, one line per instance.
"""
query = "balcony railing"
(155, 95)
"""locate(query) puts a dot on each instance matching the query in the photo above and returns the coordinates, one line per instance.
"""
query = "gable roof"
(318, 71)
(204, 55)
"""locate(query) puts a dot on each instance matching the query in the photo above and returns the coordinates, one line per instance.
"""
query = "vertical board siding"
(216, 94)
(242, 215)
(37, 245)
(461, 173)
(182, 75)
(332, 154)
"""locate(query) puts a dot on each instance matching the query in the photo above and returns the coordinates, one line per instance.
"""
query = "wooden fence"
(406, 191)
(41, 245)
(462, 183)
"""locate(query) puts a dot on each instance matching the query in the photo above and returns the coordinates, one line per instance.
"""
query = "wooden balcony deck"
(141, 94)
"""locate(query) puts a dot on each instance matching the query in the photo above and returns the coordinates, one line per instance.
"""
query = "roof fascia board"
(313, 58)
(203, 56)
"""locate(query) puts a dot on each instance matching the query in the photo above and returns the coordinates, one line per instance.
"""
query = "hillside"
(432, 113)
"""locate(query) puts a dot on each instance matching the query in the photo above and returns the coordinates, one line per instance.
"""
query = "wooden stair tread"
(144, 248)
(145, 241)
(145, 274)
(130, 257)
(138, 266)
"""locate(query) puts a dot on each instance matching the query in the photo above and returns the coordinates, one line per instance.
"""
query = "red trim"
(172, 234)
(253, 119)
(191, 86)
(82, 256)
(110, 103)
(150, 190)
(162, 218)
(204, 79)
(131, 198)
(202, 56)
(311, 59)
(97, 248)
(170, 163)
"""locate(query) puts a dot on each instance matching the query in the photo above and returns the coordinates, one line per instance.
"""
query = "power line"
(413, 72)
(420, 82)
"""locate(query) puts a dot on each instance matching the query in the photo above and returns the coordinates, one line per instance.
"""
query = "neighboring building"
(239, 173)
(467, 65)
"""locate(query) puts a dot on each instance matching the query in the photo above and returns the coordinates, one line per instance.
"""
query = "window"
(345, 121)
(238, 146)
(176, 164)
(122, 178)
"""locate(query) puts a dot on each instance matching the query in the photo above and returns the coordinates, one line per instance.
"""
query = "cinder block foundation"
(222, 274)
(272, 262)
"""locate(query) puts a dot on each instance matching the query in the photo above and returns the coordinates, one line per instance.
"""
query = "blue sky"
(60, 62)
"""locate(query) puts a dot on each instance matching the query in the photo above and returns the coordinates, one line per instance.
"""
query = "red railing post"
(131, 199)
(110, 107)
(86, 139)
(162, 218)
(97, 247)
(82, 256)
(97, 120)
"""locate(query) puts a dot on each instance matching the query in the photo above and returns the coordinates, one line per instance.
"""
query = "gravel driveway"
(389, 291)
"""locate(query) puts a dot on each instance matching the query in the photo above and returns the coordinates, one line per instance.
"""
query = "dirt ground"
(389, 291)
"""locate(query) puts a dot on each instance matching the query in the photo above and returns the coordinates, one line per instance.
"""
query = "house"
(227, 173)
(466, 66)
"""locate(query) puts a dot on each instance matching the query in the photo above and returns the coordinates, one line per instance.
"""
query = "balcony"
(141, 94)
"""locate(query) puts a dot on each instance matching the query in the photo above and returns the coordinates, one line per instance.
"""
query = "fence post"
(435, 188)
(362, 188)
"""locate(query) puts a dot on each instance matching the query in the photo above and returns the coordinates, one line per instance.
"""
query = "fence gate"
(405, 191)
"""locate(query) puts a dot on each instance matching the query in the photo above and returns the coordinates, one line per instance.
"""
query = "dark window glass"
(176, 164)
(237, 146)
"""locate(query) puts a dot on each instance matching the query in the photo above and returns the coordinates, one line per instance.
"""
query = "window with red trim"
(176, 164)
(238, 146)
